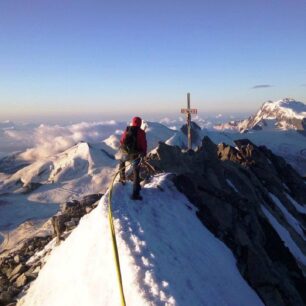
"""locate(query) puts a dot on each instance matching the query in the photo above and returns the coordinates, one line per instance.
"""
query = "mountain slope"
(280, 125)
(167, 257)
(81, 160)
(285, 114)
(233, 188)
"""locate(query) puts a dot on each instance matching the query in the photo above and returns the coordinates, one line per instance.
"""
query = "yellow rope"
(113, 235)
(114, 241)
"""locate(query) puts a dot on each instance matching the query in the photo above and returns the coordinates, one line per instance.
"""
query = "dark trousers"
(136, 178)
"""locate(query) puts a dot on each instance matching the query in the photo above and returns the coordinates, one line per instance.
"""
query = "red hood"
(136, 121)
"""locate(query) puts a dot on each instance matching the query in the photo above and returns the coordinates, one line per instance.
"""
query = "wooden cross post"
(188, 111)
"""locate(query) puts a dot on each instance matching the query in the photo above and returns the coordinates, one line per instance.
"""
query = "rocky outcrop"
(71, 214)
(31, 187)
(232, 187)
(15, 270)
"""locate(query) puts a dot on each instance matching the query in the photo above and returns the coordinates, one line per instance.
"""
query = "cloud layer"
(53, 139)
(46, 140)
(42, 141)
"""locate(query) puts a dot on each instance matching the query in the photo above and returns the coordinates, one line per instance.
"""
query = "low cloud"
(303, 85)
(262, 86)
(47, 140)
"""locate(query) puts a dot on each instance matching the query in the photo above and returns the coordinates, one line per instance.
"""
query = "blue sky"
(117, 58)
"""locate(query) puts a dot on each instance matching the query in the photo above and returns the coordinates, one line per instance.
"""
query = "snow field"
(290, 219)
(285, 236)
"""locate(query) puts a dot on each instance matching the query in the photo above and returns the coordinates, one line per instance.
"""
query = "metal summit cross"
(188, 111)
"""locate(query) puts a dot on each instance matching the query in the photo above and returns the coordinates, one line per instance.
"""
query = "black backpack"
(130, 142)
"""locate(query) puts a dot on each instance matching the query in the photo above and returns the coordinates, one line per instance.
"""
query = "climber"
(133, 147)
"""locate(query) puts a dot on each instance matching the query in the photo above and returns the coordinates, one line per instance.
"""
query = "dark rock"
(17, 270)
(229, 187)
(70, 204)
(21, 281)
(14, 291)
(58, 224)
(3, 282)
(14, 278)
(72, 213)
(90, 199)
(71, 223)
(31, 187)
(31, 275)
(226, 152)
(5, 298)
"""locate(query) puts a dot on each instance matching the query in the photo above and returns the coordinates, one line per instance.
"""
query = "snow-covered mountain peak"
(287, 107)
(285, 114)
(113, 141)
(81, 160)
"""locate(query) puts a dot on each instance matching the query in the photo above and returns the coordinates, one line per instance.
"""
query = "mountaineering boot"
(122, 179)
(136, 197)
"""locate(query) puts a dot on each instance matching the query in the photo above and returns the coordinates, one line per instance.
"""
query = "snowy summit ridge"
(202, 235)
(285, 114)
(157, 263)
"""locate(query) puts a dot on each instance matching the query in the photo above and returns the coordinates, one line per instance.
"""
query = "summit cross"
(189, 111)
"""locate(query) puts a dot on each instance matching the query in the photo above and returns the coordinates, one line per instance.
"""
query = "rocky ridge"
(235, 191)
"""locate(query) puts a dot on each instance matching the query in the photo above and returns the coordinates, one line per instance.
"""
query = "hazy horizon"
(99, 58)
(70, 119)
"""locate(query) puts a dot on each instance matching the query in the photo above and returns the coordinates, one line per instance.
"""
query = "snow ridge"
(167, 257)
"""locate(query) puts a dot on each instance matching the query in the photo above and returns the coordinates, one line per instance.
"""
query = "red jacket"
(141, 138)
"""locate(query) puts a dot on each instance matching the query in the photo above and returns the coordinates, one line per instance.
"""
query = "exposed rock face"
(31, 187)
(16, 272)
(72, 213)
(231, 188)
